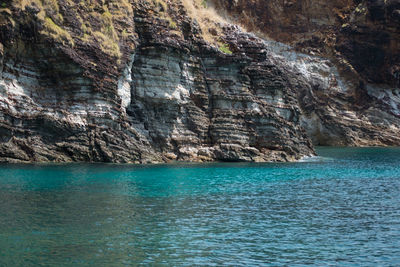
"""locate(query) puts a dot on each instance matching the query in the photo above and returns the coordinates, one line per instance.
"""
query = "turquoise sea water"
(342, 209)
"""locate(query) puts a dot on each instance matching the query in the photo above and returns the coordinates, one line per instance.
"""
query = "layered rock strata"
(169, 96)
(136, 82)
(361, 34)
(346, 56)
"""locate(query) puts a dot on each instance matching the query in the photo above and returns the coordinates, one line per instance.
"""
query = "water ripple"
(339, 209)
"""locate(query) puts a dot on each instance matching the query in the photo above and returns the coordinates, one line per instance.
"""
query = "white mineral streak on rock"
(159, 79)
(22, 95)
(335, 120)
(124, 84)
(389, 96)
(317, 70)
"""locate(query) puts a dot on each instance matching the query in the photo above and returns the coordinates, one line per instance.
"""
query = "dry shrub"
(208, 18)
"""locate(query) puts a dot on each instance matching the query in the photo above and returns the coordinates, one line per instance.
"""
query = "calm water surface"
(342, 208)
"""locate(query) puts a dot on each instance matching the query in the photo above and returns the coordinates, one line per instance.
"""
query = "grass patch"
(103, 13)
(107, 45)
(207, 18)
(172, 24)
(50, 17)
(56, 32)
(224, 48)
(124, 34)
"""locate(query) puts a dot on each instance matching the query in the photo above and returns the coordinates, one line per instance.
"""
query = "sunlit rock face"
(158, 92)
(168, 97)
(51, 112)
(335, 110)
(343, 57)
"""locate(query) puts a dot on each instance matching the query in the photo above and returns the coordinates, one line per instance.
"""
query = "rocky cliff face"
(120, 81)
(361, 33)
(347, 54)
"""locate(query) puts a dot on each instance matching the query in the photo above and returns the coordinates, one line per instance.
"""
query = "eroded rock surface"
(347, 55)
(137, 82)
(169, 96)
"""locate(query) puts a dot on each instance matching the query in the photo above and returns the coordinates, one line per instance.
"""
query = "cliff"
(359, 104)
(155, 81)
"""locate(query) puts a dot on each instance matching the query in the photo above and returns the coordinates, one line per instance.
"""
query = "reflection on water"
(340, 211)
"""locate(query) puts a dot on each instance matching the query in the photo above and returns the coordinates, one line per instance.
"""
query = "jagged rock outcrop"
(121, 81)
(362, 33)
(349, 90)
(164, 95)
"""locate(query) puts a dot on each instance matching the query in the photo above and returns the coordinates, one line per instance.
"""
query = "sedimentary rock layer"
(170, 96)
(136, 82)
(348, 63)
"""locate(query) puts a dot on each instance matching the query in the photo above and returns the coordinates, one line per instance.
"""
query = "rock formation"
(349, 90)
(148, 81)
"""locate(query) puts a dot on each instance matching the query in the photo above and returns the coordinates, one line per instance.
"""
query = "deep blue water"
(341, 209)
